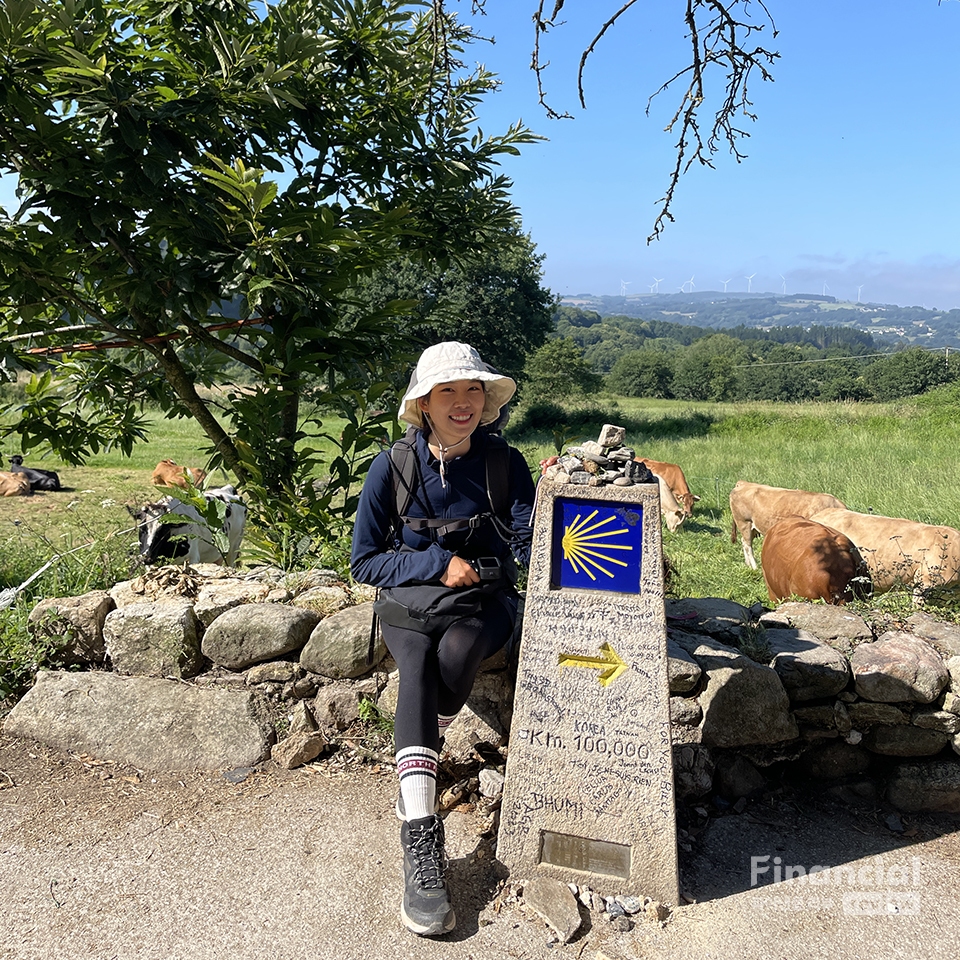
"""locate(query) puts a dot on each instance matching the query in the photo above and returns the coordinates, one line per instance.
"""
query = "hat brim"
(498, 390)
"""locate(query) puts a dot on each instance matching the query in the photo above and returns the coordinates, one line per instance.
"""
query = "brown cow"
(168, 473)
(674, 478)
(757, 507)
(802, 558)
(14, 484)
(670, 508)
(897, 551)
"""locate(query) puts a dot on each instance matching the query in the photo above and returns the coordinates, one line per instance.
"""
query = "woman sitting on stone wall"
(446, 572)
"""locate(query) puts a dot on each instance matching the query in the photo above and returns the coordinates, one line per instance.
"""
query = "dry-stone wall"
(199, 667)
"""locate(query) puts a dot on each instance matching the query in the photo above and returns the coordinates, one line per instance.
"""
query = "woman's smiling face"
(454, 409)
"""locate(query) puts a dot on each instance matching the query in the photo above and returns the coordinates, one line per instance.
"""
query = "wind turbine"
(858, 292)
(784, 279)
(824, 289)
(623, 287)
(684, 286)
(657, 282)
(749, 279)
(652, 285)
(725, 282)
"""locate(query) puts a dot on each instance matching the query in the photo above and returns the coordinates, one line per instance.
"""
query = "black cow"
(39, 479)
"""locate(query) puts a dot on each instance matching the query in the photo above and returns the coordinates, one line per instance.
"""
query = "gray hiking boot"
(425, 908)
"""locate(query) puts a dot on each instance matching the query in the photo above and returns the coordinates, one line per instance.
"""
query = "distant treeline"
(670, 360)
(890, 323)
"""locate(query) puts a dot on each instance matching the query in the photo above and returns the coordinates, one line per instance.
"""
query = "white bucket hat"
(445, 363)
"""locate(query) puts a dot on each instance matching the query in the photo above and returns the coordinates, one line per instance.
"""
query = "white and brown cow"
(14, 485)
(803, 558)
(169, 473)
(192, 540)
(757, 507)
(921, 556)
(673, 476)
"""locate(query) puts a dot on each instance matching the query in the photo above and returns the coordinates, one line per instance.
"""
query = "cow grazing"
(673, 476)
(803, 558)
(921, 556)
(757, 507)
(14, 485)
(670, 508)
(38, 479)
(191, 540)
(168, 473)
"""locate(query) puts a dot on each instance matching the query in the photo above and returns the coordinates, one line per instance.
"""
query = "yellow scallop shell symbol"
(587, 547)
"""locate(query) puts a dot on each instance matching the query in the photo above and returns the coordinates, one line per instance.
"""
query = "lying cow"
(168, 473)
(921, 556)
(803, 558)
(38, 479)
(191, 540)
(673, 476)
(757, 507)
(14, 485)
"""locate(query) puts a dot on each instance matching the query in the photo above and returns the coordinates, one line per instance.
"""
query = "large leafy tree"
(494, 301)
(201, 183)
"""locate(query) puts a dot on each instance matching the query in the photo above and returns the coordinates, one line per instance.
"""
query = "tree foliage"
(200, 185)
(494, 301)
(557, 371)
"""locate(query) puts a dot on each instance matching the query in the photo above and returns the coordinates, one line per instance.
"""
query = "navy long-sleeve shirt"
(375, 558)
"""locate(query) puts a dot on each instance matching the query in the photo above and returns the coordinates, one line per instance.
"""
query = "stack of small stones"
(599, 462)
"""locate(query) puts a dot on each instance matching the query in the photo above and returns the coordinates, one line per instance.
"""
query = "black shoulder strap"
(498, 476)
(406, 471)
(407, 484)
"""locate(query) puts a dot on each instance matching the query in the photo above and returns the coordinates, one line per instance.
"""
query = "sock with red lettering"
(417, 769)
(443, 724)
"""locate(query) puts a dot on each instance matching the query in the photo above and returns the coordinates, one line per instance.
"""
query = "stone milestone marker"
(588, 797)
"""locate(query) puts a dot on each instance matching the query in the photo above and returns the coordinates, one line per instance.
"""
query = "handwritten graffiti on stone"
(542, 687)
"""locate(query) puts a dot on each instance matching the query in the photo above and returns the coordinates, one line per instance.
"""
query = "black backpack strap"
(407, 481)
(498, 487)
(498, 476)
(408, 484)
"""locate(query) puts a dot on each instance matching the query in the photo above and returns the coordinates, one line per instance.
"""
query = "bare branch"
(594, 42)
(203, 332)
(719, 32)
(542, 25)
(717, 39)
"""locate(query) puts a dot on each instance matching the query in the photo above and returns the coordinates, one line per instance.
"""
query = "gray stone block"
(255, 632)
(898, 667)
(148, 723)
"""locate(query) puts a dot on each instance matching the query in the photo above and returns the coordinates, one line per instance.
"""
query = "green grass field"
(899, 460)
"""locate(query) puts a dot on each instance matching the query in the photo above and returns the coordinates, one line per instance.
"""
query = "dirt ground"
(98, 860)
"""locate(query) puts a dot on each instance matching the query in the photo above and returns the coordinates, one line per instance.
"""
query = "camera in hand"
(488, 568)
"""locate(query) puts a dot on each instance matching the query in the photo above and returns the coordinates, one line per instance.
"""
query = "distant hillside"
(887, 323)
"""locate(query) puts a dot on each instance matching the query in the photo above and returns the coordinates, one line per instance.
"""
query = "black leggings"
(437, 670)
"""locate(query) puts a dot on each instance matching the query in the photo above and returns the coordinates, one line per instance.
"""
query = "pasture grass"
(898, 460)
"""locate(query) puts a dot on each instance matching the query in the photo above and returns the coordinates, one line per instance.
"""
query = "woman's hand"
(459, 574)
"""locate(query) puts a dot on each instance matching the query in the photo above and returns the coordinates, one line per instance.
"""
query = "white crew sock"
(443, 723)
(417, 769)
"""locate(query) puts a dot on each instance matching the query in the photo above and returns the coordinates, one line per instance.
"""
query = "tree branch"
(718, 31)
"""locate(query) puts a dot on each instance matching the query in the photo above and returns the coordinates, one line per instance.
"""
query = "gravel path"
(102, 861)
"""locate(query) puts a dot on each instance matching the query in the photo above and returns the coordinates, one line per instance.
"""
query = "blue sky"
(847, 182)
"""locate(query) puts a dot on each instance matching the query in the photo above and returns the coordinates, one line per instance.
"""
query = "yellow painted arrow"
(609, 663)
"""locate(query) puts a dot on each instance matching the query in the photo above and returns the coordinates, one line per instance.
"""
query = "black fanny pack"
(428, 607)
